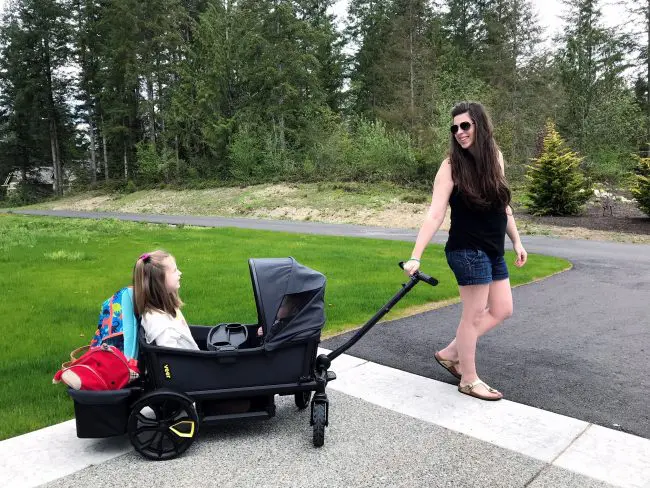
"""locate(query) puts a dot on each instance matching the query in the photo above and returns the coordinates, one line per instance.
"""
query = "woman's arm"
(511, 229)
(442, 188)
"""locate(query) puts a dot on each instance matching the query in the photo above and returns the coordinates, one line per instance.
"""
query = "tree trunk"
(105, 150)
(281, 101)
(647, 152)
(126, 164)
(178, 160)
(152, 110)
(56, 163)
(93, 151)
(54, 136)
(411, 78)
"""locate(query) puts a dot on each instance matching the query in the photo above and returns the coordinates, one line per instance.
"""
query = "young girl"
(156, 281)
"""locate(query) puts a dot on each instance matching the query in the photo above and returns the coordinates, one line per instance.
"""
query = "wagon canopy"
(289, 299)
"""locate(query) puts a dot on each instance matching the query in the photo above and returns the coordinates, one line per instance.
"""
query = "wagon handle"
(323, 361)
(419, 276)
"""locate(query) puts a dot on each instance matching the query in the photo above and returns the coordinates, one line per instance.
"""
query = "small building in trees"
(40, 177)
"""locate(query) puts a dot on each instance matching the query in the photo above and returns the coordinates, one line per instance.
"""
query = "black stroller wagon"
(236, 374)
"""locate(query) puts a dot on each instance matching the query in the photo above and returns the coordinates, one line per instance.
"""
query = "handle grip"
(419, 276)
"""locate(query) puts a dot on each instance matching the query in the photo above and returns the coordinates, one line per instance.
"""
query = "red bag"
(100, 368)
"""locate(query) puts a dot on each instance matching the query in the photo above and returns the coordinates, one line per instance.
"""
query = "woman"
(472, 181)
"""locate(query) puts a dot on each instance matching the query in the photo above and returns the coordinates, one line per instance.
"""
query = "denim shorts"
(475, 267)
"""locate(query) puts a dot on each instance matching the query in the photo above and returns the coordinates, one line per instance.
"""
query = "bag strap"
(110, 317)
(75, 355)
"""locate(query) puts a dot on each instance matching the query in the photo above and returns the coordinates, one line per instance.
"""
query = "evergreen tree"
(555, 184)
(278, 71)
(640, 15)
(327, 48)
(36, 118)
(407, 63)
(591, 65)
(87, 48)
(119, 98)
(367, 26)
(206, 94)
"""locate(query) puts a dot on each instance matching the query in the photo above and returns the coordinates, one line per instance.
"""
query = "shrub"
(152, 166)
(246, 155)
(378, 154)
(556, 186)
(641, 188)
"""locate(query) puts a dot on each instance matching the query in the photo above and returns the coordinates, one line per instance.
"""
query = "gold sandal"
(449, 365)
(469, 390)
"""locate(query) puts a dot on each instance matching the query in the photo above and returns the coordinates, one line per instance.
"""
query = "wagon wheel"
(162, 425)
(319, 421)
(302, 399)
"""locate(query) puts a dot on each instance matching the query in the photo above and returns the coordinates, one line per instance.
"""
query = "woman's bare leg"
(484, 307)
(474, 299)
(499, 308)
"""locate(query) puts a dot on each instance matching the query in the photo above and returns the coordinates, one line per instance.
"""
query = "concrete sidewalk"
(388, 428)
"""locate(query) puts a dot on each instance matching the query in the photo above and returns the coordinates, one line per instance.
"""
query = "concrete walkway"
(388, 428)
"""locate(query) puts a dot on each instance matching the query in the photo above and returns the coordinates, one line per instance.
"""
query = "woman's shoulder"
(444, 171)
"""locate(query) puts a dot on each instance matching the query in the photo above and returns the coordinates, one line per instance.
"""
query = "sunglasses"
(463, 126)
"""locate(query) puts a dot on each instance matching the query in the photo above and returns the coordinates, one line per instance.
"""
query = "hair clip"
(145, 257)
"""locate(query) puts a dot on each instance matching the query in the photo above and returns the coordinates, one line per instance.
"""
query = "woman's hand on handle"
(411, 266)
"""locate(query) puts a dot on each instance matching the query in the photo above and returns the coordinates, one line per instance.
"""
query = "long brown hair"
(479, 179)
(149, 289)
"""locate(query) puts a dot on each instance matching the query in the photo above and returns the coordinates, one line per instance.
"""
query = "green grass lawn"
(57, 272)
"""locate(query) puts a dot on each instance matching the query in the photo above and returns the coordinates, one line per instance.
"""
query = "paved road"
(578, 343)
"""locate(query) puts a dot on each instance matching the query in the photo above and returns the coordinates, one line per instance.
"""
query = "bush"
(28, 193)
(246, 155)
(153, 167)
(379, 155)
(556, 186)
(641, 189)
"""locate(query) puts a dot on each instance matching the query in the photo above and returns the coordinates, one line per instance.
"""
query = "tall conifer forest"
(232, 92)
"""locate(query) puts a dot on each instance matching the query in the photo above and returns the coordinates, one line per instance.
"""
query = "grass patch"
(333, 196)
(57, 272)
(63, 255)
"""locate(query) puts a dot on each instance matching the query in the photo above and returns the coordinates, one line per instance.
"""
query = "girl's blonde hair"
(149, 289)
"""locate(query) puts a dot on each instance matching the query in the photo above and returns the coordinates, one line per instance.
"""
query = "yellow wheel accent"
(183, 423)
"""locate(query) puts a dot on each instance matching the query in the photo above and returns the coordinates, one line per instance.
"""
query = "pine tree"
(206, 94)
(641, 16)
(407, 63)
(555, 184)
(120, 125)
(641, 190)
(35, 90)
(591, 63)
(87, 48)
(368, 25)
(327, 47)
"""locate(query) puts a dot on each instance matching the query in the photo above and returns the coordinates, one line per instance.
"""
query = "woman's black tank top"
(473, 228)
